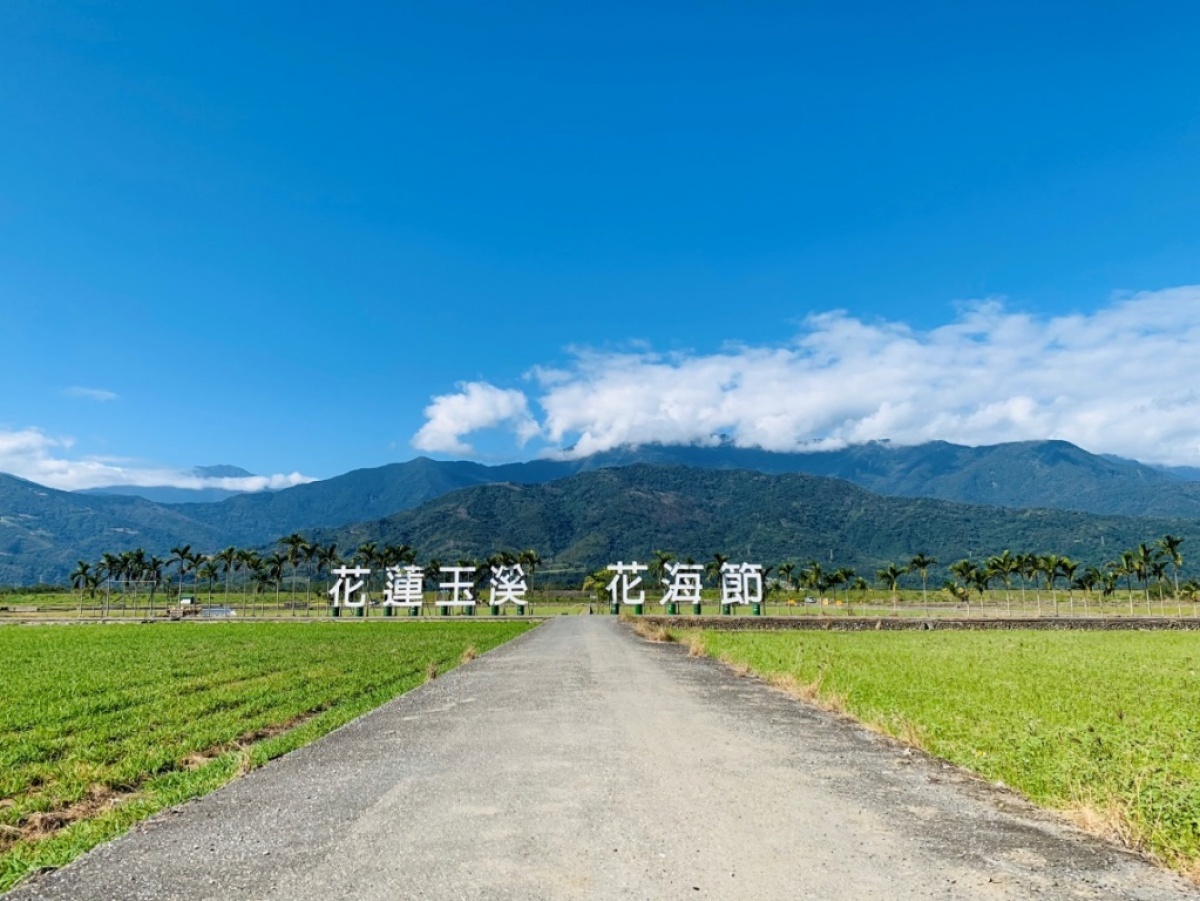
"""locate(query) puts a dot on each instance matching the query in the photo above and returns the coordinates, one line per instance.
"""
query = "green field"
(54, 605)
(17, 605)
(1104, 726)
(101, 726)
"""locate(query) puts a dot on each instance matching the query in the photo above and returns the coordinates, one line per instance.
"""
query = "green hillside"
(44, 531)
(1052, 474)
(594, 518)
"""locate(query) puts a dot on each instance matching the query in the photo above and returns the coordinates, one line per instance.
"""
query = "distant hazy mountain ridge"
(169, 494)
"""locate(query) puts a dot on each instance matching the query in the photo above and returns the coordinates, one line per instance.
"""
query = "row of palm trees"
(254, 574)
(1156, 564)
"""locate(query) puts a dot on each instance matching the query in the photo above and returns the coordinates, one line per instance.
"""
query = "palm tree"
(327, 559)
(250, 562)
(714, 566)
(597, 583)
(1004, 566)
(79, 576)
(833, 580)
(785, 571)
(394, 555)
(920, 564)
(1108, 586)
(273, 569)
(183, 558)
(312, 553)
(433, 570)
(228, 560)
(1158, 569)
(1048, 563)
(981, 579)
(261, 579)
(890, 577)
(1067, 569)
(658, 566)
(964, 569)
(1031, 568)
(1086, 582)
(135, 568)
(1169, 546)
(1020, 568)
(154, 573)
(111, 566)
(530, 560)
(812, 577)
(1124, 566)
(366, 553)
(970, 577)
(1190, 590)
(208, 571)
(844, 576)
(1143, 562)
(296, 547)
(959, 592)
(862, 586)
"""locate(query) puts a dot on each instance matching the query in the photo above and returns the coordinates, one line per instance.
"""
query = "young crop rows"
(101, 726)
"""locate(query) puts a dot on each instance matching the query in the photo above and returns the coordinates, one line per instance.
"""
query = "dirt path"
(581, 762)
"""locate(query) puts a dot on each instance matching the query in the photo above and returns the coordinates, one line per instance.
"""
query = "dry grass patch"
(652, 631)
(1109, 821)
(42, 824)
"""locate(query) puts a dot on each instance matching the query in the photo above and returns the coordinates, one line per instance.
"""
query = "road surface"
(582, 762)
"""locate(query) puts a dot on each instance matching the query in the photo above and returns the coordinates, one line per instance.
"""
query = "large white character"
(626, 579)
(459, 586)
(741, 583)
(684, 585)
(508, 584)
(344, 590)
(404, 587)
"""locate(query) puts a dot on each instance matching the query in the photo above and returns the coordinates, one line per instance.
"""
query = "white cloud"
(1122, 380)
(477, 406)
(96, 394)
(31, 454)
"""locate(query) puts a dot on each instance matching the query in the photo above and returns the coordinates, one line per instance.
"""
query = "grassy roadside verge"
(103, 726)
(1104, 727)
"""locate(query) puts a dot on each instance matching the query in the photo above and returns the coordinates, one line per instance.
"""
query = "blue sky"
(306, 238)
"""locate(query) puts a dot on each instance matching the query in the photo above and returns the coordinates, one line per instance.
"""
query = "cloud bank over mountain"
(1123, 379)
(32, 454)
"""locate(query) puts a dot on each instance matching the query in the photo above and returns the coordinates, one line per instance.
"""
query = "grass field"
(1103, 726)
(33, 606)
(101, 726)
(42, 605)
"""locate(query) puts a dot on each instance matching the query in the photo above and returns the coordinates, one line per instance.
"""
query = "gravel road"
(581, 762)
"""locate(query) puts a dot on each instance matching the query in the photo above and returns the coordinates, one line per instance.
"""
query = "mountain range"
(593, 518)
(43, 531)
